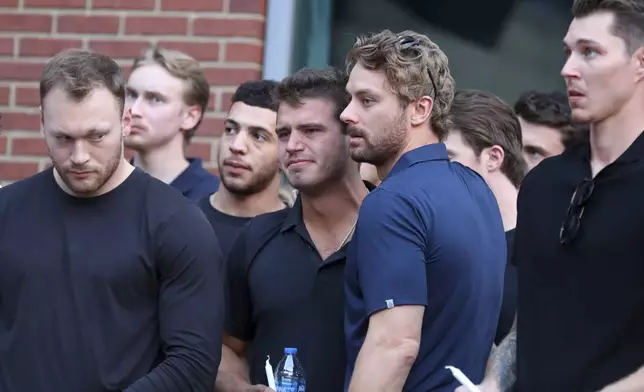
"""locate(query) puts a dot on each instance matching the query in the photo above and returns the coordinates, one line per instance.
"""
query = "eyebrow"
(582, 41)
(146, 92)
(255, 128)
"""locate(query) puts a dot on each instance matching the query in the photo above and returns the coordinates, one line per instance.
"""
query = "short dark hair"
(551, 110)
(258, 93)
(327, 83)
(484, 120)
(629, 18)
(79, 72)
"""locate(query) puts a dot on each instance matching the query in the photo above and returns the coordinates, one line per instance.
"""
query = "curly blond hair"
(414, 66)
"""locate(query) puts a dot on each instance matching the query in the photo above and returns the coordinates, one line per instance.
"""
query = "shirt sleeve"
(190, 270)
(238, 302)
(390, 247)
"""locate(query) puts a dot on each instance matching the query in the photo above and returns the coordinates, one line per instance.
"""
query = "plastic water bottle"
(289, 375)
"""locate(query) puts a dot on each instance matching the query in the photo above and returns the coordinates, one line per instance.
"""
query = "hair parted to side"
(184, 67)
(413, 71)
(629, 18)
(485, 120)
(258, 93)
(551, 110)
(79, 72)
(307, 83)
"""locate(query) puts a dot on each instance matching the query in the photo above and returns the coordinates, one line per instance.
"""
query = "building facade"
(225, 35)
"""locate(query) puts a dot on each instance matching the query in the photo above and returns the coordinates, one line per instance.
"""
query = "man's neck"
(164, 163)
(506, 196)
(337, 207)
(417, 138)
(612, 136)
(248, 206)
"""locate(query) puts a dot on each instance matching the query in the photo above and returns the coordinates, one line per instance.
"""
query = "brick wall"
(225, 35)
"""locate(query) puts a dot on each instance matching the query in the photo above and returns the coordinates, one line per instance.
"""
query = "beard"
(96, 179)
(382, 144)
(258, 181)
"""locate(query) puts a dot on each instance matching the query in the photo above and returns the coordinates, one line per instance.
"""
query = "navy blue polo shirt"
(431, 235)
(196, 182)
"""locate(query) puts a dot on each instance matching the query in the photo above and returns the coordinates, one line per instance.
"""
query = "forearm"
(501, 374)
(383, 369)
(632, 383)
(233, 372)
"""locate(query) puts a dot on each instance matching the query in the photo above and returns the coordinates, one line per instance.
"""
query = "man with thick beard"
(426, 264)
(248, 165)
(105, 271)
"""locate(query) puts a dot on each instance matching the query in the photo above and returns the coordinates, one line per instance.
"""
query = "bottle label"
(289, 386)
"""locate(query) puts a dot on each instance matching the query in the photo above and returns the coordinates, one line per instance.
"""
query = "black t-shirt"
(581, 305)
(509, 304)
(107, 293)
(227, 227)
(282, 294)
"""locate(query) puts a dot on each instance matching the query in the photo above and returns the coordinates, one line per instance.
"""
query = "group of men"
(155, 275)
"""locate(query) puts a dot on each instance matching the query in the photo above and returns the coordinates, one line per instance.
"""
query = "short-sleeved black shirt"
(282, 294)
(581, 305)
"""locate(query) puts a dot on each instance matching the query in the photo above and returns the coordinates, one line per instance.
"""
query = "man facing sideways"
(547, 126)
(425, 267)
(286, 269)
(168, 93)
(579, 241)
(485, 135)
(105, 272)
(248, 165)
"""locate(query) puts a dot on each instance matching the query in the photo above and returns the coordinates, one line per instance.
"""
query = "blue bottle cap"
(290, 351)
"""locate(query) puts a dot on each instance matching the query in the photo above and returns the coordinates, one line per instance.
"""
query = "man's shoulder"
(23, 190)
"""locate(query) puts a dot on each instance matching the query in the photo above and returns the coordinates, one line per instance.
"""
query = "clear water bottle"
(289, 375)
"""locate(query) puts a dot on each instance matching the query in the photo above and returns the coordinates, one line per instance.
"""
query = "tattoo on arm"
(503, 367)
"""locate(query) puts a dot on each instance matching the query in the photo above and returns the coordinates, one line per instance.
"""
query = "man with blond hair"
(168, 94)
(425, 266)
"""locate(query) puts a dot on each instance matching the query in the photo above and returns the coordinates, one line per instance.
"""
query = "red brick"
(193, 5)
(251, 53)
(123, 4)
(54, 3)
(31, 22)
(14, 171)
(6, 46)
(88, 24)
(248, 6)
(230, 76)
(211, 126)
(28, 146)
(45, 47)
(213, 170)
(156, 25)
(20, 70)
(199, 149)
(225, 102)
(202, 51)
(8, 3)
(27, 96)
(118, 49)
(228, 27)
(20, 121)
(211, 102)
(3, 145)
(5, 91)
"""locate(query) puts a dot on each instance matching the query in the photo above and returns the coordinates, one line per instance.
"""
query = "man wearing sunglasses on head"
(424, 274)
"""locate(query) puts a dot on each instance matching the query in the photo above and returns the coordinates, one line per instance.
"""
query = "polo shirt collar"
(634, 153)
(295, 218)
(190, 177)
(429, 152)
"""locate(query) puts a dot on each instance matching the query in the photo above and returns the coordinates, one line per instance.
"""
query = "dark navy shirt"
(196, 182)
(119, 292)
(431, 235)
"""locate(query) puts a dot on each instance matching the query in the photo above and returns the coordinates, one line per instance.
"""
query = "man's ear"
(126, 122)
(421, 111)
(494, 158)
(191, 117)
